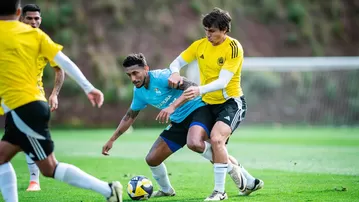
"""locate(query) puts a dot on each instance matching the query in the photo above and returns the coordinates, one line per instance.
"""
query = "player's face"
(32, 18)
(137, 75)
(214, 35)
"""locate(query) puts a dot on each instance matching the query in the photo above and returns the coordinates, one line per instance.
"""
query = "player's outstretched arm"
(59, 81)
(124, 125)
(224, 78)
(94, 95)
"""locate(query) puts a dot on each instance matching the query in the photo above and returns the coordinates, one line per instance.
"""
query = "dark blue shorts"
(175, 135)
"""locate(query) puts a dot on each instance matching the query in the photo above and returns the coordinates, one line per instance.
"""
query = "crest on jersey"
(220, 61)
(157, 91)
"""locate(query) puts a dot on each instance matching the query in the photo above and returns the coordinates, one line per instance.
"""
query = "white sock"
(220, 171)
(159, 173)
(8, 183)
(33, 170)
(208, 154)
(74, 176)
(249, 177)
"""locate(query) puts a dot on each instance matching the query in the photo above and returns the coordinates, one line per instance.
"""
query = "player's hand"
(107, 147)
(165, 114)
(191, 92)
(53, 102)
(175, 80)
(95, 97)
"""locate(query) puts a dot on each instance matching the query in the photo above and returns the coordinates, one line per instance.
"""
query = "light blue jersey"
(160, 95)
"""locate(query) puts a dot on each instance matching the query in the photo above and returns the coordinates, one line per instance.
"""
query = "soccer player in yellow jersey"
(31, 15)
(220, 59)
(26, 108)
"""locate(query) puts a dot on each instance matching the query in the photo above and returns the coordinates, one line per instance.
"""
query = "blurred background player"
(221, 58)
(151, 88)
(31, 15)
(27, 111)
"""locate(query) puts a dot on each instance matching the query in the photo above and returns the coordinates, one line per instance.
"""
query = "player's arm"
(182, 99)
(164, 115)
(59, 80)
(224, 78)
(124, 125)
(183, 59)
(73, 71)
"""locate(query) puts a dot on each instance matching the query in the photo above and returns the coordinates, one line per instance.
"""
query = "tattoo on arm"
(186, 84)
(130, 115)
(59, 80)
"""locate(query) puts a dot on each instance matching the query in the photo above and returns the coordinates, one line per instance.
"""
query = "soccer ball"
(139, 188)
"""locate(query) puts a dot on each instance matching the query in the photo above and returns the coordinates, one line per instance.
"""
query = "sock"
(8, 183)
(159, 173)
(249, 177)
(76, 177)
(220, 171)
(208, 154)
(33, 170)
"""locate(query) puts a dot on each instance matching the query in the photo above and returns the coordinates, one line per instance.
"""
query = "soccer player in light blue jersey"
(187, 125)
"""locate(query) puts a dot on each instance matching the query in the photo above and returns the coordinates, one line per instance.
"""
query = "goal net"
(311, 91)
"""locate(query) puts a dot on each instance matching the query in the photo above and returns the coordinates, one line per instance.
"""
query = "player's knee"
(196, 145)
(218, 140)
(48, 172)
(151, 161)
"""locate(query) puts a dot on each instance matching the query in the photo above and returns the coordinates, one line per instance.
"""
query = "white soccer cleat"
(116, 192)
(258, 184)
(217, 196)
(160, 193)
(238, 178)
(33, 186)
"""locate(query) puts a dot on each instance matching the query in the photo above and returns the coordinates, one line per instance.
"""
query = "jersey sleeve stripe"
(234, 46)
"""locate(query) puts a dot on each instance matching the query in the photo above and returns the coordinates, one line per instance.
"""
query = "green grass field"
(296, 164)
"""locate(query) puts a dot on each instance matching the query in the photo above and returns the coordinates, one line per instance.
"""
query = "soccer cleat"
(33, 186)
(258, 184)
(217, 196)
(160, 193)
(116, 192)
(238, 178)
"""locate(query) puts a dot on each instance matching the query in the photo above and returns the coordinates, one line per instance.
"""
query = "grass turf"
(296, 164)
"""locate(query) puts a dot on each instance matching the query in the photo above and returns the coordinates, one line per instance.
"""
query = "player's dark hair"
(134, 59)
(217, 18)
(31, 8)
(9, 7)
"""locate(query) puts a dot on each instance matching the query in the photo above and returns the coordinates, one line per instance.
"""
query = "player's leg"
(197, 140)
(8, 181)
(171, 139)
(34, 172)
(226, 115)
(157, 154)
(32, 121)
(74, 176)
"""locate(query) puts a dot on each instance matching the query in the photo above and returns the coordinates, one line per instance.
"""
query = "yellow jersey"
(20, 48)
(211, 59)
(41, 64)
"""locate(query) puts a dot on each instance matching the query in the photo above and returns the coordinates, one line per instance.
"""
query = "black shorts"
(231, 112)
(27, 126)
(175, 135)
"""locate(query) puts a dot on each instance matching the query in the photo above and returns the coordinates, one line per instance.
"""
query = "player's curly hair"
(31, 8)
(9, 7)
(134, 59)
(218, 18)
